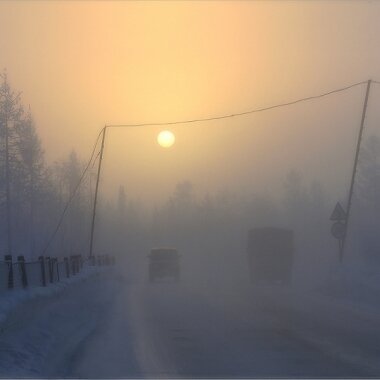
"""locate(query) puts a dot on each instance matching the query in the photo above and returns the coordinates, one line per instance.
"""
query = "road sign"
(338, 214)
(338, 230)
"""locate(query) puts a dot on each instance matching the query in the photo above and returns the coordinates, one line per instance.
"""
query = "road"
(179, 330)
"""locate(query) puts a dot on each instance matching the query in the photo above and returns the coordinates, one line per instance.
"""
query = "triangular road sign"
(338, 213)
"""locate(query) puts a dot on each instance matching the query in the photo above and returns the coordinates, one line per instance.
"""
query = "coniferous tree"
(10, 113)
(34, 176)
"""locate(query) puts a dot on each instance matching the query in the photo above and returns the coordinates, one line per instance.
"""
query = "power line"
(187, 122)
(73, 194)
(237, 114)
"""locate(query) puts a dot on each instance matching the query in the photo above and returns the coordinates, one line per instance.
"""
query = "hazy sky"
(81, 65)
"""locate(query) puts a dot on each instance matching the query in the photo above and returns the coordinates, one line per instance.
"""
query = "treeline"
(211, 230)
(33, 194)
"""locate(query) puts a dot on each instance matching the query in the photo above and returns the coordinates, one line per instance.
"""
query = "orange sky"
(81, 65)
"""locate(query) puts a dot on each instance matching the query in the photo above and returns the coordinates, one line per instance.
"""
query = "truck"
(270, 255)
(164, 264)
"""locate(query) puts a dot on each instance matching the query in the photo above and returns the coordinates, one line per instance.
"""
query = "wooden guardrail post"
(8, 262)
(56, 267)
(72, 262)
(24, 278)
(50, 269)
(67, 266)
(41, 259)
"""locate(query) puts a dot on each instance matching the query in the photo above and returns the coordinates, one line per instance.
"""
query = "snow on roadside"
(44, 328)
(10, 299)
(354, 288)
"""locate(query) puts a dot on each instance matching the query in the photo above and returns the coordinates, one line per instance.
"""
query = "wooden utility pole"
(96, 192)
(7, 183)
(354, 170)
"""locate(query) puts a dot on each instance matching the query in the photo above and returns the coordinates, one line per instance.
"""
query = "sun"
(166, 139)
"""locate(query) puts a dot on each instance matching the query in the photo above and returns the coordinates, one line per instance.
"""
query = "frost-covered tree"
(295, 198)
(74, 232)
(10, 114)
(34, 176)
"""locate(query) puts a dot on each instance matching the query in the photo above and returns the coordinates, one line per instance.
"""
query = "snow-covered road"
(109, 327)
(171, 330)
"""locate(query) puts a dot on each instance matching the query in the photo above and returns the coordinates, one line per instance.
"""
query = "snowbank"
(11, 299)
(43, 329)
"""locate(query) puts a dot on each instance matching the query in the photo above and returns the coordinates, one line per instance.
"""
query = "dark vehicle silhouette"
(163, 264)
(270, 255)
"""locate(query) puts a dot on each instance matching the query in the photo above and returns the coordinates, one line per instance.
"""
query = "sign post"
(338, 229)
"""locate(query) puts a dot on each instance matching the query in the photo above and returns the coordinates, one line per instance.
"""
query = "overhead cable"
(189, 121)
(256, 110)
(73, 194)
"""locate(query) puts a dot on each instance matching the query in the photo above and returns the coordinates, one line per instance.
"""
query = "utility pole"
(7, 182)
(354, 170)
(96, 192)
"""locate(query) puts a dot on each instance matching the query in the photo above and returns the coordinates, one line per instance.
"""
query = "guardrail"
(47, 270)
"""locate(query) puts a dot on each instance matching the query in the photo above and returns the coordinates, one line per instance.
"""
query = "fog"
(121, 64)
(71, 68)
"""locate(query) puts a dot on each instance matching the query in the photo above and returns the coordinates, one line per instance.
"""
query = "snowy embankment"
(41, 329)
(11, 299)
